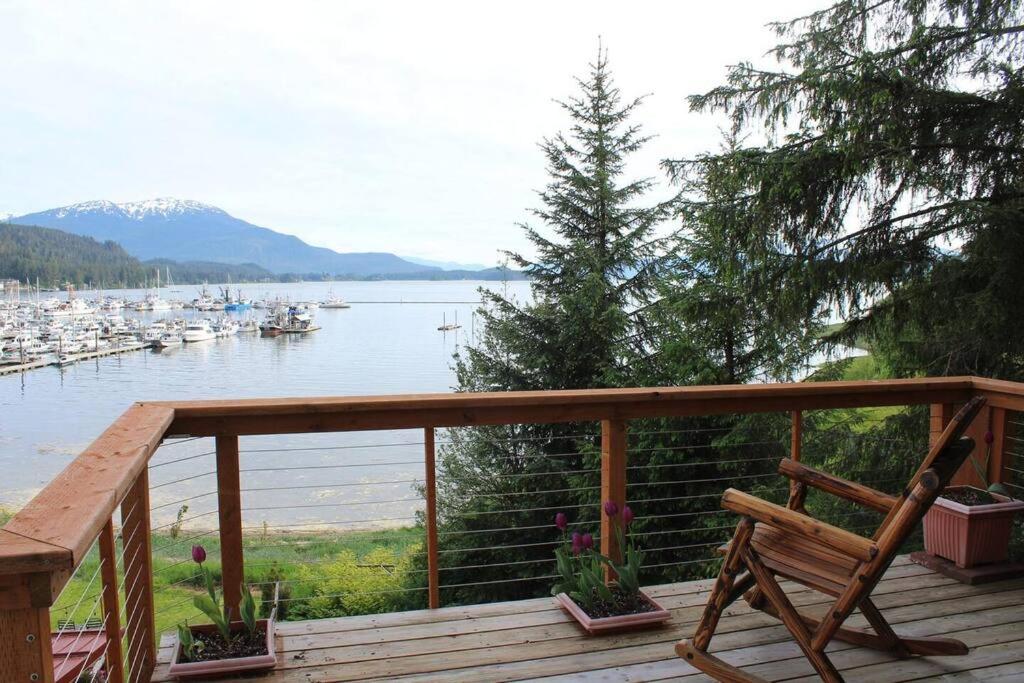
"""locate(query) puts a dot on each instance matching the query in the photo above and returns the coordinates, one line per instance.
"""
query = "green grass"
(269, 557)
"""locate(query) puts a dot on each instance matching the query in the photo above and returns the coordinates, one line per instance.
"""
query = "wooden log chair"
(774, 541)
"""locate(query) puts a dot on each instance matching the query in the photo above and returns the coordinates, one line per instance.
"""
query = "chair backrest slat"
(945, 457)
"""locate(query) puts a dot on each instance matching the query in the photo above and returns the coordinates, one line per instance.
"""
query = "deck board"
(536, 640)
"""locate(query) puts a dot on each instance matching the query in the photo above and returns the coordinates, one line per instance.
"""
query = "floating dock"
(85, 355)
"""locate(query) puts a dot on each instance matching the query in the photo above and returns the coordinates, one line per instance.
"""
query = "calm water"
(48, 416)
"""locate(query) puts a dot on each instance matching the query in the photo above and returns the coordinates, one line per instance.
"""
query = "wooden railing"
(43, 543)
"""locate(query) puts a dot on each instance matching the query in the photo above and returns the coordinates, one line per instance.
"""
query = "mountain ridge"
(188, 230)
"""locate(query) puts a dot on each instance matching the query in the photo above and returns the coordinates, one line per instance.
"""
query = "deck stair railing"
(80, 564)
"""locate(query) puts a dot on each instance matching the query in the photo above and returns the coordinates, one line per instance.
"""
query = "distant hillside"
(55, 257)
(194, 272)
(185, 230)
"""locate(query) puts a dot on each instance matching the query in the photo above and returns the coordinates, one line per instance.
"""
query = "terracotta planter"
(970, 535)
(623, 622)
(222, 667)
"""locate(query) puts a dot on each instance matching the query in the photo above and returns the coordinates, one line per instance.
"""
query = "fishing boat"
(197, 331)
(234, 302)
(288, 319)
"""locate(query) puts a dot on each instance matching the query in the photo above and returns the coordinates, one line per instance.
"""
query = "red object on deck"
(74, 650)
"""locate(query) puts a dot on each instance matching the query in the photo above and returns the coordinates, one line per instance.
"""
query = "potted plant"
(581, 589)
(971, 526)
(223, 646)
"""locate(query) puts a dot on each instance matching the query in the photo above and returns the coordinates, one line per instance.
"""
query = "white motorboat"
(64, 360)
(197, 331)
(335, 302)
(168, 340)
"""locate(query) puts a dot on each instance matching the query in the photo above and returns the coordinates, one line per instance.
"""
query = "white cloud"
(408, 127)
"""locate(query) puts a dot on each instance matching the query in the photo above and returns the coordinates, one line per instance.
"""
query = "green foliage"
(248, 610)
(890, 186)
(597, 259)
(348, 584)
(188, 643)
(208, 605)
(55, 257)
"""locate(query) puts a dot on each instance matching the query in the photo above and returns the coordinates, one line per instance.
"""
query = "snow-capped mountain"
(163, 207)
(186, 230)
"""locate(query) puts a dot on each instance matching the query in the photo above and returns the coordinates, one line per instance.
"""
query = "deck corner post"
(26, 653)
(613, 486)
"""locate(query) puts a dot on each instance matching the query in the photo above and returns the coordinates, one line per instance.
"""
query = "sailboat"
(447, 326)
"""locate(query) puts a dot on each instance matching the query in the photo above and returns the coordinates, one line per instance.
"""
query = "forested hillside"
(54, 257)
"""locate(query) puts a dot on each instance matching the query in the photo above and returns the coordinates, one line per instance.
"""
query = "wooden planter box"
(223, 667)
(970, 535)
(619, 623)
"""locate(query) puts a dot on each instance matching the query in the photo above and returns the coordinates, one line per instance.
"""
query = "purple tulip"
(587, 541)
(989, 437)
(561, 521)
(611, 508)
(627, 515)
(198, 554)
(577, 543)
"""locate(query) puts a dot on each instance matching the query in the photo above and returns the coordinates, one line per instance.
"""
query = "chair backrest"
(944, 458)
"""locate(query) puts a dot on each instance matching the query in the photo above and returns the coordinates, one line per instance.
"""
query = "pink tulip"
(989, 437)
(561, 521)
(198, 554)
(627, 515)
(587, 541)
(611, 508)
(577, 543)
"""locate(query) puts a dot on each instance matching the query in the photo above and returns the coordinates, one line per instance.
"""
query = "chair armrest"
(792, 521)
(837, 486)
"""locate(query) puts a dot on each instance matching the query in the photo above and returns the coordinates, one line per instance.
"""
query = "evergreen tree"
(712, 327)
(596, 256)
(897, 196)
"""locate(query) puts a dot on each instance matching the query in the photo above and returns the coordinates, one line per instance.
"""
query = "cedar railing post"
(433, 578)
(613, 486)
(140, 617)
(997, 456)
(229, 508)
(113, 659)
(796, 441)
(940, 415)
(25, 649)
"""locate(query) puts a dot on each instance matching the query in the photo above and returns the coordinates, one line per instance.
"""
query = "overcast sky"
(403, 127)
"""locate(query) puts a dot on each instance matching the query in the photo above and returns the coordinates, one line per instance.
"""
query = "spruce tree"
(592, 275)
(892, 178)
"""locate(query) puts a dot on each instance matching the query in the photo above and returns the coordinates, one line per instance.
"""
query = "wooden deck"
(533, 639)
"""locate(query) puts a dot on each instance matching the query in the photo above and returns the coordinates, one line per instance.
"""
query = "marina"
(368, 348)
(40, 333)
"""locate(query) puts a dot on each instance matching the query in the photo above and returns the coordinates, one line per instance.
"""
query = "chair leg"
(790, 617)
(713, 666)
(889, 638)
(722, 593)
(863, 638)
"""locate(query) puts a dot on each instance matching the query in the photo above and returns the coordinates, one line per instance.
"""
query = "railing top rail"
(65, 517)
(54, 531)
(342, 413)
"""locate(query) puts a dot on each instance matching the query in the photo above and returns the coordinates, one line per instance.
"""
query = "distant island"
(104, 244)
